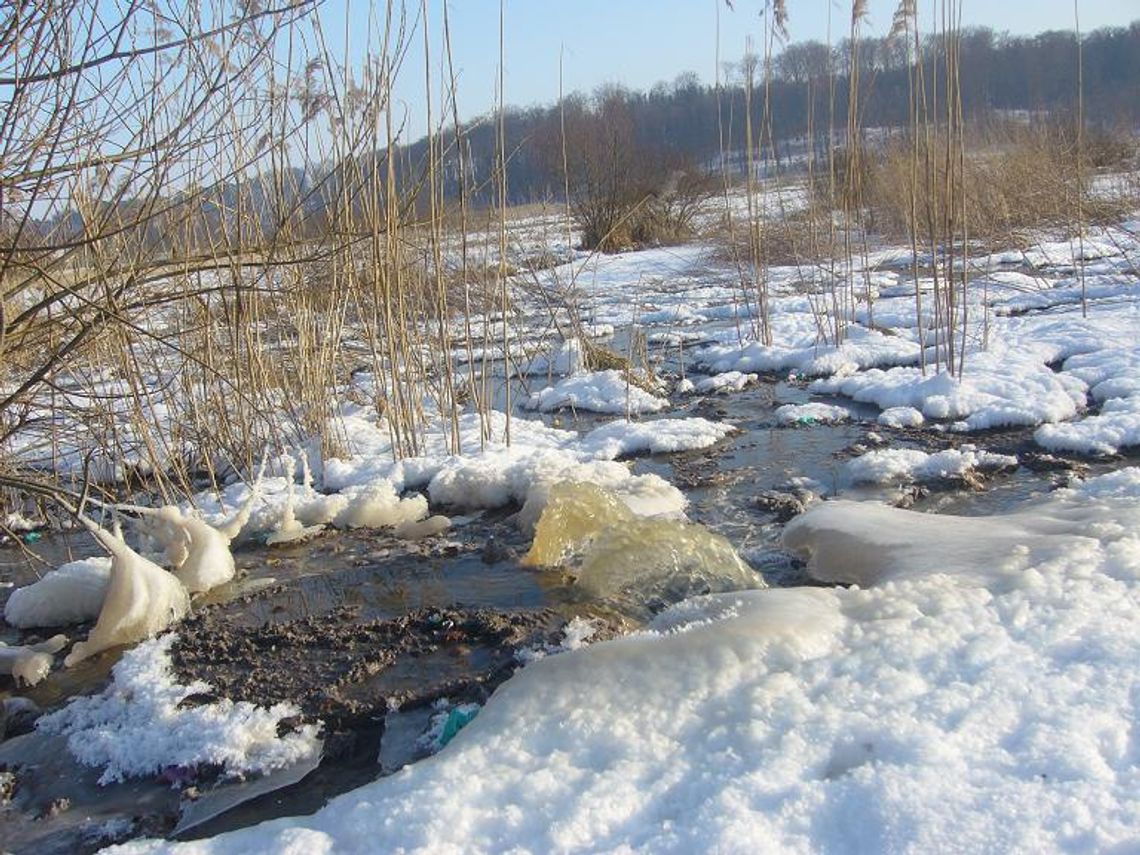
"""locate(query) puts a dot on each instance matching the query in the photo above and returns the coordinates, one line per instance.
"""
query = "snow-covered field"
(971, 687)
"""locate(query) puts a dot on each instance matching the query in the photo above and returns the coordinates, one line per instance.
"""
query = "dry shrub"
(793, 238)
(1021, 178)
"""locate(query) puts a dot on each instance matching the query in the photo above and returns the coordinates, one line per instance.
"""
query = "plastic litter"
(457, 719)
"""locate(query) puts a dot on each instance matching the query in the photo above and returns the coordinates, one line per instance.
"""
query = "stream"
(369, 633)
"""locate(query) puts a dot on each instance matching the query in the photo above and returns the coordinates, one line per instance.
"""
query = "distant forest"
(1024, 78)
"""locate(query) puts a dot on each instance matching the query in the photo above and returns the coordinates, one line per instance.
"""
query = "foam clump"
(142, 600)
(619, 551)
(289, 529)
(72, 593)
(901, 417)
(198, 553)
(30, 663)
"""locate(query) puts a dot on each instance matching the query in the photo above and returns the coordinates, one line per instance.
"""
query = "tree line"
(799, 96)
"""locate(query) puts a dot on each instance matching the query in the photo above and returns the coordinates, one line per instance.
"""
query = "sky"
(638, 43)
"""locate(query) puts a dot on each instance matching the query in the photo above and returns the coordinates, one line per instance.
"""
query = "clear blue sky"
(640, 42)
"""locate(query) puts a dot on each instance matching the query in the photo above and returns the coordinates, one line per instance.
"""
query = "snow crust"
(137, 726)
(936, 710)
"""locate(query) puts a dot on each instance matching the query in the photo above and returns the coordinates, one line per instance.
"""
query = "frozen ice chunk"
(621, 551)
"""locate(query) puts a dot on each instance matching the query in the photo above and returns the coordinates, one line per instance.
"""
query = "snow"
(893, 465)
(792, 414)
(1117, 426)
(979, 695)
(901, 417)
(622, 439)
(729, 381)
(973, 690)
(138, 725)
(608, 391)
(72, 593)
(800, 351)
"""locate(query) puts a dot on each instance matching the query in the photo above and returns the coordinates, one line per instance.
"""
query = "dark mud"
(341, 670)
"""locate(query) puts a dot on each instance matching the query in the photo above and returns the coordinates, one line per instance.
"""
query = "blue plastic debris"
(457, 719)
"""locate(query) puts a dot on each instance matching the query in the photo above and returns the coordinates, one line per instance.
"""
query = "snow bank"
(995, 392)
(801, 352)
(893, 465)
(138, 726)
(1116, 426)
(72, 593)
(806, 414)
(598, 392)
(928, 713)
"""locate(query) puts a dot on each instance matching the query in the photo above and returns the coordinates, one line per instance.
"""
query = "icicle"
(289, 529)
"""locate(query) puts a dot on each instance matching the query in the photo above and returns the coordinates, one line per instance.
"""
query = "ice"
(729, 381)
(573, 514)
(142, 600)
(72, 593)
(198, 552)
(613, 550)
(290, 529)
(418, 530)
(867, 543)
(139, 724)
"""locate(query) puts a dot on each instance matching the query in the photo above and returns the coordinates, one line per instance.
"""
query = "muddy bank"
(342, 670)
